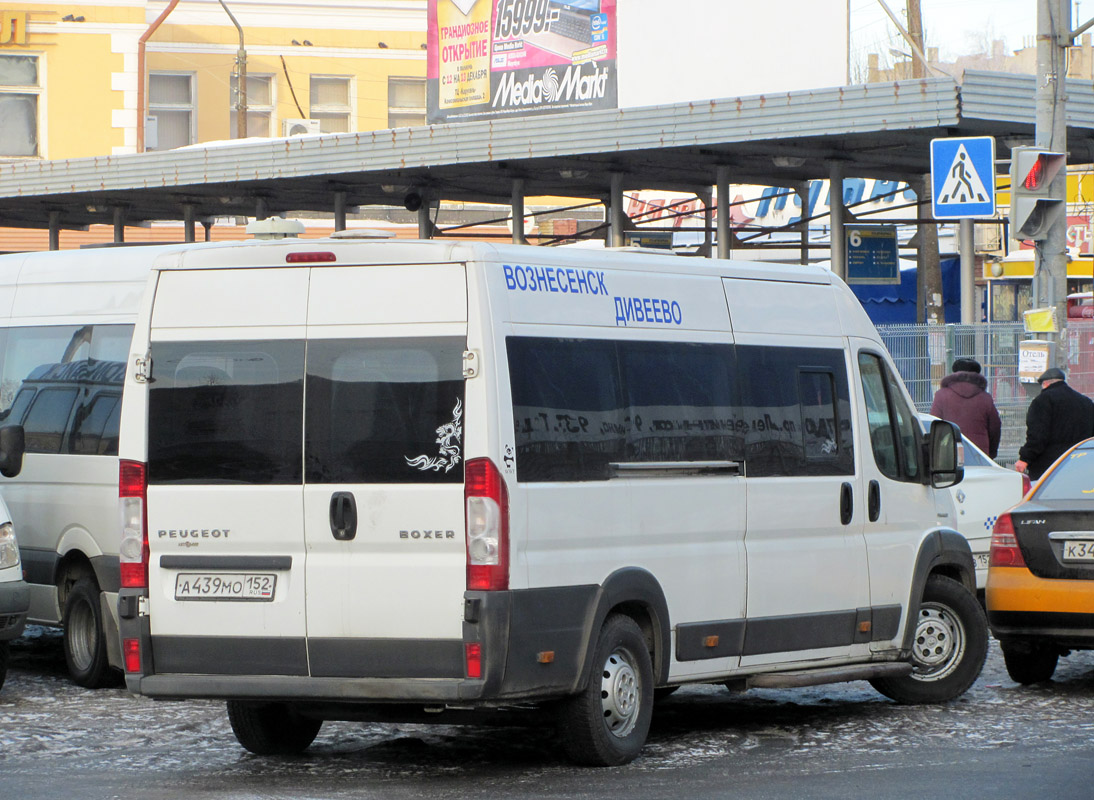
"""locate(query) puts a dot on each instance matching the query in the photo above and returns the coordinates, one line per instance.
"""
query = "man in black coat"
(1057, 418)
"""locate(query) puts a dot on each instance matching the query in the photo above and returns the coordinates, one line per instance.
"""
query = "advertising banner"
(489, 59)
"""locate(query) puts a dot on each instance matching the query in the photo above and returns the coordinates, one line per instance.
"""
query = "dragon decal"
(448, 438)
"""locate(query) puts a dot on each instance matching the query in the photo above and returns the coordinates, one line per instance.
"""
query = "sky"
(956, 27)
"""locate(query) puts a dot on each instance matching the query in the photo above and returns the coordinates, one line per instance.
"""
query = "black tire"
(949, 648)
(85, 638)
(5, 654)
(271, 729)
(607, 723)
(1029, 662)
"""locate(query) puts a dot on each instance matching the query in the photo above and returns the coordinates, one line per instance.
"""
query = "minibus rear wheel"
(269, 729)
(607, 723)
(84, 639)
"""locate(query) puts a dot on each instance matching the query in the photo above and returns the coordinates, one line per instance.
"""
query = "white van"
(401, 479)
(66, 320)
(14, 597)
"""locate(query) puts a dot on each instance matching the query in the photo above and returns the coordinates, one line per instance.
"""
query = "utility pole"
(241, 77)
(928, 266)
(1054, 35)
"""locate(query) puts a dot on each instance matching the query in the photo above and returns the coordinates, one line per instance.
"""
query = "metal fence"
(923, 355)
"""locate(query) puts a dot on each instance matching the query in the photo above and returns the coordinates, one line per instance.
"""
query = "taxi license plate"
(225, 586)
(1076, 550)
(982, 560)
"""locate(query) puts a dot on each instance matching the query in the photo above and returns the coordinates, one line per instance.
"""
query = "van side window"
(795, 411)
(47, 419)
(226, 412)
(29, 349)
(680, 398)
(581, 404)
(77, 360)
(95, 427)
(893, 427)
(568, 408)
(384, 411)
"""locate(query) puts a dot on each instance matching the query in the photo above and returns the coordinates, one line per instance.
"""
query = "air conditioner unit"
(299, 127)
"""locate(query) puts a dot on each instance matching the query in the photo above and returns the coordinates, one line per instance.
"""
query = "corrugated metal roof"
(1009, 98)
(875, 130)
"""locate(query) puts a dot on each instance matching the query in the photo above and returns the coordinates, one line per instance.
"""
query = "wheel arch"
(945, 552)
(636, 593)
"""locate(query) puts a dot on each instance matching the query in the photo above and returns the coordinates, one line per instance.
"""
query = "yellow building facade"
(71, 73)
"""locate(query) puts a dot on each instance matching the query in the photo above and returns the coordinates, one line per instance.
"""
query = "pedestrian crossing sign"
(963, 177)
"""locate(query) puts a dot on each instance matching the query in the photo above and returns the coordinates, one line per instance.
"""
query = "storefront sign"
(501, 58)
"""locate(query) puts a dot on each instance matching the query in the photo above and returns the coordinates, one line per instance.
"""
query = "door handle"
(343, 516)
(846, 504)
(873, 501)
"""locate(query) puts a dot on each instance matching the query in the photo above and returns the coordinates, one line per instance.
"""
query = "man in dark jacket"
(963, 399)
(1057, 418)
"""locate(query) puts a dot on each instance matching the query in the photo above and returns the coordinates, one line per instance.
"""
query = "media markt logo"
(548, 89)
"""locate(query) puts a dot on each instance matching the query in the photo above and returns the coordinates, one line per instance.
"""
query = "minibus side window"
(795, 411)
(681, 402)
(95, 427)
(580, 405)
(33, 348)
(568, 409)
(47, 419)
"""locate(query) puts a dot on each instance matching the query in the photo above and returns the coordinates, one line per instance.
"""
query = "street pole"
(928, 265)
(1050, 266)
(241, 77)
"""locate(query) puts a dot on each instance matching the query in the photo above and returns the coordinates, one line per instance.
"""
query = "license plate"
(1079, 550)
(225, 586)
(982, 560)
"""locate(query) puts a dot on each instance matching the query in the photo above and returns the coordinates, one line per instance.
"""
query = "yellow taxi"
(1040, 589)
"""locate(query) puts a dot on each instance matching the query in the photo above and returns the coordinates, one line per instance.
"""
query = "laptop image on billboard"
(572, 30)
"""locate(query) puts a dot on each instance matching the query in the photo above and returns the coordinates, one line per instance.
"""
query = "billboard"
(488, 59)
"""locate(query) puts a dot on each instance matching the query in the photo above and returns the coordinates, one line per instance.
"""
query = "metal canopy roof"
(874, 130)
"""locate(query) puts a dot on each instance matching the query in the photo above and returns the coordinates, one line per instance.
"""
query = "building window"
(405, 102)
(19, 92)
(260, 105)
(171, 104)
(330, 102)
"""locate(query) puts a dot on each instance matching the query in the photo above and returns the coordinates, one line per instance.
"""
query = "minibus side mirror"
(12, 447)
(943, 464)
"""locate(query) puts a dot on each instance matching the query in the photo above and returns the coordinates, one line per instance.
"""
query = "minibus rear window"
(226, 412)
(385, 410)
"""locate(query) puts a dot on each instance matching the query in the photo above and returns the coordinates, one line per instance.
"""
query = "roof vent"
(275, 228)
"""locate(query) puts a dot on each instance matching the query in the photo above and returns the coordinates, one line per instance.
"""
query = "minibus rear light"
(131, 649)
(486, 502)
(310, 257)
(473, 656)
(133, 550)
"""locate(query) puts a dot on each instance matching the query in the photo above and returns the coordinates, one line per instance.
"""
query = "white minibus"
(402, 479)
(66, 320)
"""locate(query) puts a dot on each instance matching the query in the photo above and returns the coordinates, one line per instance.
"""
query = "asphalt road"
(999, 741)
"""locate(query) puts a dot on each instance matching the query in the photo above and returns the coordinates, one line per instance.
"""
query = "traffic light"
(1032, 195)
